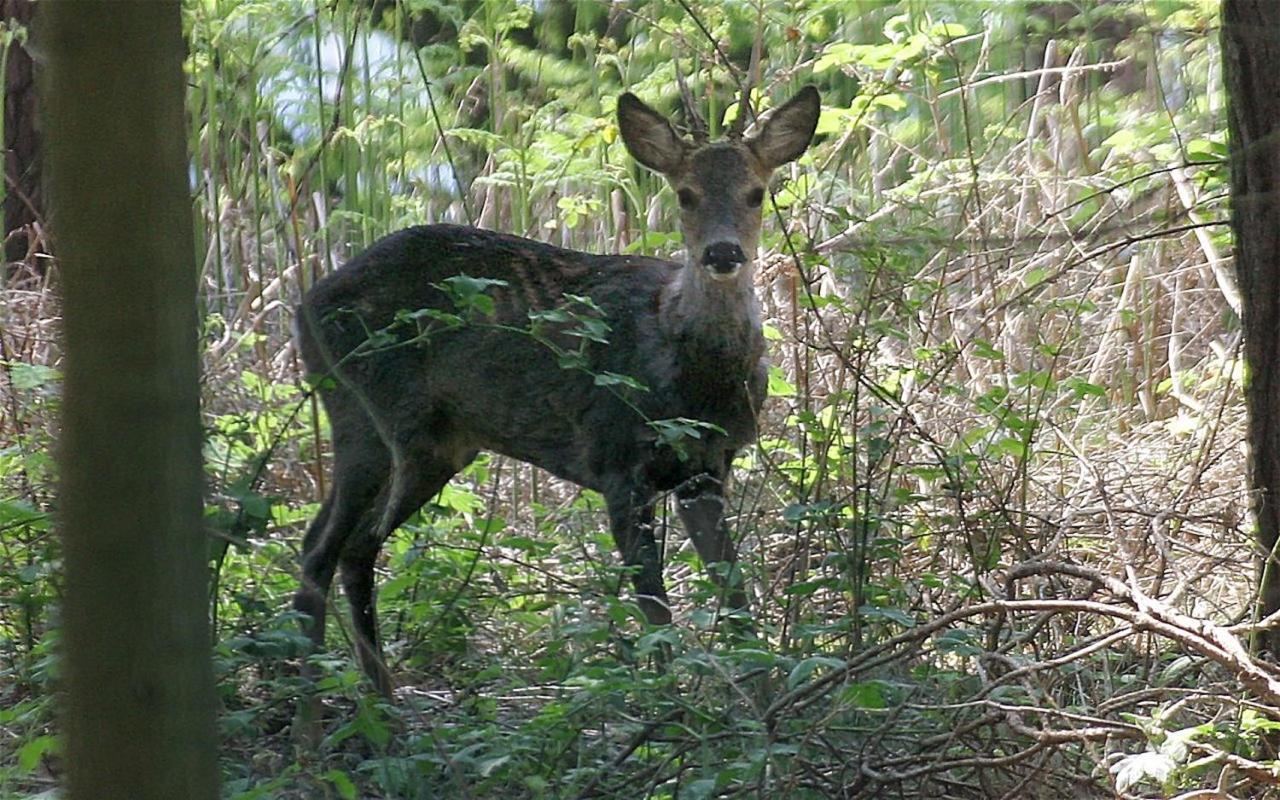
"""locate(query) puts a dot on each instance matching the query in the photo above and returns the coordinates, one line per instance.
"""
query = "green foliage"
(997, 337)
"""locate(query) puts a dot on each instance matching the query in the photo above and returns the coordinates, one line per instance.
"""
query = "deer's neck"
(712, 319)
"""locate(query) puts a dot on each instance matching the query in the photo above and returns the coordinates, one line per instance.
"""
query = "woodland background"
(996, 525)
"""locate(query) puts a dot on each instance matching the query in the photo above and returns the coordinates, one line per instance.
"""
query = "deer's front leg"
(701, 504)
(631, 519)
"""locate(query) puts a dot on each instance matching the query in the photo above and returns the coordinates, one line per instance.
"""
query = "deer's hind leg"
(419, 475)
(361, 468)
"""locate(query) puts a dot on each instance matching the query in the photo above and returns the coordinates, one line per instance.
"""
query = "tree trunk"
(138, 710)
(1251, 60)
(22, 195)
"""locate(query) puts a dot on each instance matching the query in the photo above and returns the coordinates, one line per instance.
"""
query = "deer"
(440, 341)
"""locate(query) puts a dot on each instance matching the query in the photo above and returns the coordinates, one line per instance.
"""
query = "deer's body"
(518, 400)
(416, 395)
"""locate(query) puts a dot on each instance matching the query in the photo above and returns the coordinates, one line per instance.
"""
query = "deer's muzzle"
(723, 258)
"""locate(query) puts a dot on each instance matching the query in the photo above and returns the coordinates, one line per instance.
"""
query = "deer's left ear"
(788, 130)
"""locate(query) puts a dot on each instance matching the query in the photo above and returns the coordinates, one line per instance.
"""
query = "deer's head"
(721, 185)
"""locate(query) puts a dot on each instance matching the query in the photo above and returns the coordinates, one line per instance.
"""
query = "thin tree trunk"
(1251, 59)
(138, 710)
(22, 195)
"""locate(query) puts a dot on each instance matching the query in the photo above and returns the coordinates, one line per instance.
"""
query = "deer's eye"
(687, 198)
(755, 197)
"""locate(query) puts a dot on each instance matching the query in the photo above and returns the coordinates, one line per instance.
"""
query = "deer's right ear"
(648, 136)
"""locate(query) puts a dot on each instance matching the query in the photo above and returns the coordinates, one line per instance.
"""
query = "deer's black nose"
(723, 257)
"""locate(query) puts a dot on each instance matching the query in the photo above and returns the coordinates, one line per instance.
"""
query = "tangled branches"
(1062, 682)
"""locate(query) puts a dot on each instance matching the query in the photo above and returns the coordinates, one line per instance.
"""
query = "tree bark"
(22, 195)
(138, 706)
(1251, 61)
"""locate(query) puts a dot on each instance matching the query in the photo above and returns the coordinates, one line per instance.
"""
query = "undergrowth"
(995, 525)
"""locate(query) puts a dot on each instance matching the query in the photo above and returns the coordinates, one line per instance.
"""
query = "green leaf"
(834, 55)
(894, 101)
(450, 320)
(983, 349)
(489, 765)
(476, 136)
(834, 120)
(614, 379)
(700, 789)
(889, 613)
(17, 513)
(948, 30)
(27, 377)
(1035, 277)
(1206, 150)
(959, 641)
(1011, 447)
(31, 753)
(256, 506)
(779, 386)
(459, 499)
(525, 544)
(596, 330)
(865, 694)
(571, 359)
(346, 789)
(676, 432)
(798, 512)
(806, 588)
(552, 315)
(801, 672)
(467, 292)
(1083, 388)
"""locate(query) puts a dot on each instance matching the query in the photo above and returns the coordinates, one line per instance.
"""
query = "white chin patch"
(725, 275)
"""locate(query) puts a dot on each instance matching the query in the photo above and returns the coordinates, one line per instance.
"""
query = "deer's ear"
(788, 130)
(648, 136)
